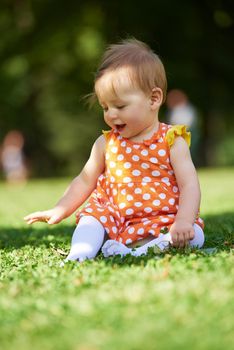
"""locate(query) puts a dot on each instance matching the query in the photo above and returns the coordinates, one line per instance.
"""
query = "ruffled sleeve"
(178, 130)
(106, 133)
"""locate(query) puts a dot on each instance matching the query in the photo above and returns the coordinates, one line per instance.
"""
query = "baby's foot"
(112, 247)
(162, 242)
(74, 257)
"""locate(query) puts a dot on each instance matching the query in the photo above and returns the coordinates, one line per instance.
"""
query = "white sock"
(112, 247)
(87, 239)
(199, 237)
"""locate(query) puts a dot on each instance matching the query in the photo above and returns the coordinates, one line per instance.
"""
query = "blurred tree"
(50, 49)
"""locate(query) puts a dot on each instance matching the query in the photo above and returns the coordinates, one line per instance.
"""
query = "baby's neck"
(147, 133)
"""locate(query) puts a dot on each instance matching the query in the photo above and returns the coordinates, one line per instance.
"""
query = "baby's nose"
(112, 114)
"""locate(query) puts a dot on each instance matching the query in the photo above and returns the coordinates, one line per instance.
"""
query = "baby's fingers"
(38, 216)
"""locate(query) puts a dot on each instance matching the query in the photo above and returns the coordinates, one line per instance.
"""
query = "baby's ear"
(156, 98)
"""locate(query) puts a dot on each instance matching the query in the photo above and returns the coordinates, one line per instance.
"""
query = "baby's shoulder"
(174, 131)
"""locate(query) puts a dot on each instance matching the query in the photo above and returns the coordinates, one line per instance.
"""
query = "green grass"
(175, 300)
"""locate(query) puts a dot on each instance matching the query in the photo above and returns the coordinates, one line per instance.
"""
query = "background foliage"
(49, 50)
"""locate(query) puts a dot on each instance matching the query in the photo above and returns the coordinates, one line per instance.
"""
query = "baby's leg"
(163, 241)
(87, 239)
(112, 247)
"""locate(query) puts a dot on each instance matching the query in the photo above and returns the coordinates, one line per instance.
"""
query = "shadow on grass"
(219, 231)
(14, 238)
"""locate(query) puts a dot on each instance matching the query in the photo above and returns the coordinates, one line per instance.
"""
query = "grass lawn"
(174, 300)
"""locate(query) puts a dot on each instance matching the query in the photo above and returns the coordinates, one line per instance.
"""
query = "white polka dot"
(138, 204)
(112, 179)
(112, 164)
(155, 173)
(146, 179)
(112, 219)
(148, 209)
(131, 184)
(111, 142)
(136, 173)
(107, 155)
(135, 158)
(119, 172)
(145, 166)
(129, 197)
(114, 192)
(128, 241)
(175, 189)
(136, 146)
(165, 208)
(114, 229)
(147, 222)
(171, 201)
(154, 160)
(163, 166)
(164, 219)
(161, 152)
(123, 192)
(138, 190)
(155, 225)
(100, 209)
(129, 211)
(103, 219)
(120, 157)
(140, 231)
(111, 209)
(144, 152)
(122, 205)
(165, 179)
(123, 144)
(162, 195)
(127, 165)
(127, 179)
(114, 149)
(146, 196)
(156, 202)
(153, 146)
(128, 150)
(131, 230)
(152, 189)
(89, 210)
(152, 232)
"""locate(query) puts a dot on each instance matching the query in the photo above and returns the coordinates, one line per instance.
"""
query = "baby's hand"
(52, 216)
(181, 233)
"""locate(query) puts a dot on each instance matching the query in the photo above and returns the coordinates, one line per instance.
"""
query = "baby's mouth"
(120, 127)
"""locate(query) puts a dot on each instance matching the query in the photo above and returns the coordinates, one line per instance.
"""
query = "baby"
(139, 180)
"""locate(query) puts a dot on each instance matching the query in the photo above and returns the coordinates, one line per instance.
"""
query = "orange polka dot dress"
(137, 195)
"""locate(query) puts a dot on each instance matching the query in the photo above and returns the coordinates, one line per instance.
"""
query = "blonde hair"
(146, 70)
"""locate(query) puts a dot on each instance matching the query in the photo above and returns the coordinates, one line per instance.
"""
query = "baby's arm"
(79, 189)
(182, 230)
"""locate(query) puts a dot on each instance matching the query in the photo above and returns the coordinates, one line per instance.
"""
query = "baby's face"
(126, 107)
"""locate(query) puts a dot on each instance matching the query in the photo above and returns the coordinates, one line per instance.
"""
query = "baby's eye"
(120, 107)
